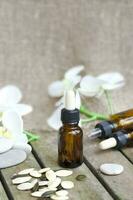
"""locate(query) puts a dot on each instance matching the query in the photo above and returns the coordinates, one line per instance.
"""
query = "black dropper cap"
(70, 116)
(121, 138)
(102, 130)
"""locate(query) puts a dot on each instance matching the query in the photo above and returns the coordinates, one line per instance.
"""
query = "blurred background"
(41, 39)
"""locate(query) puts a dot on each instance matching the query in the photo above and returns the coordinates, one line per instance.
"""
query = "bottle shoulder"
(73, 130)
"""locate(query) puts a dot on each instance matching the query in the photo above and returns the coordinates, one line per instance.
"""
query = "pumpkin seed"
(62, 193)
(35, 174)
(43, 183)
(21, 180)
(81, 177)
(55, 183)
(55, 197)
(52, 188)
(67, 184)
(50, 175)
(63, 173)
(26, 171)
(44, 170)
(35, 187)
(45, 189)
(34, 182)
(25, 186)
(18, 176)
(37, 194)
(48, 193)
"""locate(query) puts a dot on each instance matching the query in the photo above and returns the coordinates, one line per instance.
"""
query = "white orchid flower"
(70, 80)
(112, 81)
(12, 123)
(10, 97)
(54, 121)
(91, 86)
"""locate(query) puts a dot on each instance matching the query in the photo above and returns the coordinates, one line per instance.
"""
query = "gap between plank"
(100, 179)
(126, 156)
(38, 159)
(5, 186)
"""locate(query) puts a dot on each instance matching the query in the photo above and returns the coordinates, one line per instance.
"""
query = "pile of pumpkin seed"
(44, 183)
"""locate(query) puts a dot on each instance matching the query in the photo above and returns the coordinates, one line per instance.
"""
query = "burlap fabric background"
(40, 39)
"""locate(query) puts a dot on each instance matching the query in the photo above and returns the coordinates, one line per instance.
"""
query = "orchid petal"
(4, 108)
(112, 78)
(20, 138)
(23, 146)
(22, 109)
(112, 86)
(5, 144)
(78, 100)
(73, 71)
(56, 89)
(90, 86)
(10, 95)
(71, 83)
(87, 93)
(13, 123)
(72, 77)
(75, 80)
(54, 120)
(60, 102)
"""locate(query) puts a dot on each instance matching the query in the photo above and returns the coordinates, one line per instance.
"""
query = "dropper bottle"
(105, 129)
(120, 139)
(70, 141)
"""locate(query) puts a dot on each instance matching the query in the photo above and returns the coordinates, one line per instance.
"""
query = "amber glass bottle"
(122, 115)
(105, 129)
(70, 141)
(120, 139)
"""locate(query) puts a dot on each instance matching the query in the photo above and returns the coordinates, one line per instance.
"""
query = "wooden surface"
(39, 41)
(96, 187)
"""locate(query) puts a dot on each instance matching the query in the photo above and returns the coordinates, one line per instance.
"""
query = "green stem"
(84, 121)
(109, 101)
(31, 136)
(89, 114)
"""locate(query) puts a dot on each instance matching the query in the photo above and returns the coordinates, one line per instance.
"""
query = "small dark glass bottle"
(70, 141)
(105, 129)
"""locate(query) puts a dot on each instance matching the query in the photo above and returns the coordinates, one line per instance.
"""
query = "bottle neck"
(70, 124)
(130, 135)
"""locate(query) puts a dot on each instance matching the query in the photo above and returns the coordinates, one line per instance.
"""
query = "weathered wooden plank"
(3, 195)
(91, 189)
(128, 152)
(7, 173)
(122, 184)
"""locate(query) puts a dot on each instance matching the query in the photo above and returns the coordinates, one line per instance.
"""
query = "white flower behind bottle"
(91, 86)
(11, 112)
(10, 96)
